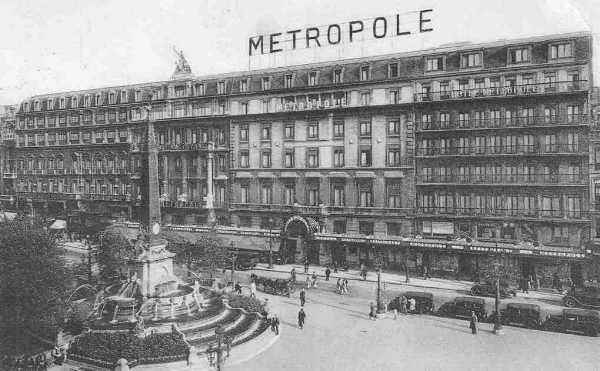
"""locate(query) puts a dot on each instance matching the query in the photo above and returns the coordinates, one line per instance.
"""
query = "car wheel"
(531, 324)
(569, 302)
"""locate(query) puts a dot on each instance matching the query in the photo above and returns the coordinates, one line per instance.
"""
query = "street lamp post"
(497, 322)
(380, 306)
(233, 259)
(217, 355)
(270, 243)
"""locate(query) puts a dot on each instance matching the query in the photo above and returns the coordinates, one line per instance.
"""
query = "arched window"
(51, 165)
(178, 163)
(110, 160)
(98, 161)
(87, 162)
(59, 162)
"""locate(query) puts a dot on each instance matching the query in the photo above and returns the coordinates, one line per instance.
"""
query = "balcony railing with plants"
(520, 179)
(519, 149)
(497, 212)
(501, 123)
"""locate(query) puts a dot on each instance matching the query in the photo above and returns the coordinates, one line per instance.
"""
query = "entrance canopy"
(58, 224)
(311, 225)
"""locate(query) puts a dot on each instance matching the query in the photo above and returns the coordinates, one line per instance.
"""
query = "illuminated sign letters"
(333, 34)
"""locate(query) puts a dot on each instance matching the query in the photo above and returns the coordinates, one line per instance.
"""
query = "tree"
(113, 254)
(206, 252)
(33, 281)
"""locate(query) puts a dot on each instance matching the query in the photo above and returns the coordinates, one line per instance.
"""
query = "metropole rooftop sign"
(333, 34)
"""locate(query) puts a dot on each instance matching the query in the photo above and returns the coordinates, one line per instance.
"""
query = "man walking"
(306, 265)
(302, 297)
(327, 273)
(253, 289)
(372, 311)
(293, 275)
(275, 325)
(403, 302)
(301, 317)
(473, 324)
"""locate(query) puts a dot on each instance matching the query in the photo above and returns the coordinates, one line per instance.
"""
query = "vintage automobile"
(582, 321)
(246, 261)
(582, 297)
(489, 289)
(522, 314)
(275, 286)
(462, 306)
(423, 301)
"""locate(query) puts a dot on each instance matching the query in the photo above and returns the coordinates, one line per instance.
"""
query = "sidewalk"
(399, 279)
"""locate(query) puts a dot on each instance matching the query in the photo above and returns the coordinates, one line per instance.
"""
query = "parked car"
(462, 306)
(489, 289)
(583, 297)
(522, 314)
(245, 262)
(424, 301)
(582, 321)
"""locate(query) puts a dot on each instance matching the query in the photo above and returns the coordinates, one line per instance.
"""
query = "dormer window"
(98, 99)
(180, 91)
(434, 64)
(123, 96)
(393, 70)
(87, 101)
(74, 102)
(518, 55)
(36, 105)
(25, 107)
(337, 76)
(112, 98)
(266, 83)
(243, 86)
(50, 104)
(288, 81)
(138, 95)
(156, 94)
(562, 50)
(364, 73)
(62, 103)
(471, 60)
(312, 78)
(221, 87)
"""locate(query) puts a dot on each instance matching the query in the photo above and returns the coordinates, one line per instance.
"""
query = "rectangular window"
(221, 87)
(289, 193)
(243, 86)
(244, 193)
(364, 73)
(243, 133)
(289, 131)
(339, 226)
(200, 89)
(244, 108)
(180, 91)
(312, 78)
(434, 64)
(365, 157)
(265, 106)
(338, 157)
(265, 159)
(288, 80)
(244, 159)
(393, 158)
(337, 76)
(520, 55)
(394, 229)
(470, 60)
(312, 158)
(313, 195)
(394, 194)
(365, 129)
(266, 83)
(266, 132)
(313, 130)
(572, 114)
(393, 70)
(561, 51)
(338, 129)
(288, 159)
(365, 228)
(338, 195)
(365, 98)
(266, 193)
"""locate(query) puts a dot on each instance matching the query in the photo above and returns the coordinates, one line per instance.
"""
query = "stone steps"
(242, 328)
(231, 320)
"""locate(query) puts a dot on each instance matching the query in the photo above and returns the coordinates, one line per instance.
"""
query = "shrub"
(245, 302)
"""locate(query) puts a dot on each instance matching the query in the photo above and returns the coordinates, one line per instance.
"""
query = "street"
(339, 336)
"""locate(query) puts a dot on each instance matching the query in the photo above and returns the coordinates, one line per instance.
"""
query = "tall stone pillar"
(152, 196)
(212, 218)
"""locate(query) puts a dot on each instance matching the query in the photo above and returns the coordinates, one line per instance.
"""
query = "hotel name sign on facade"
(334, 34)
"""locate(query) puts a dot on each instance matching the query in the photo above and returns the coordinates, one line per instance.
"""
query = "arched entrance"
(298, 241)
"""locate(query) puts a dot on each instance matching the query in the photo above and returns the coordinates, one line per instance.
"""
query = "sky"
(64, 45)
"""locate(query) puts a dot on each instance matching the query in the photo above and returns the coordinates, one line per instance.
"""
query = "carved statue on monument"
(181, 64)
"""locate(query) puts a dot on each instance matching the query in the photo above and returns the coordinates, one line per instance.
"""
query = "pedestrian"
(395, 312)
(412, 305)
(473, 323)
(327, 273)
(345, 287)
(525, 285)
(372, 311)
(314, 279)
(301, 317)
(306, 265)
(425, 273)
(293, 275)
(266, 307)
(338, 286)
(187, 355)
(302, 297)
(403, 302)
(275, 325)
(238, 288)
(253, 289)
(308, 282)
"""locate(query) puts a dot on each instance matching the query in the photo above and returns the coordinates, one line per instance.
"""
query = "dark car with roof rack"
(462, 306)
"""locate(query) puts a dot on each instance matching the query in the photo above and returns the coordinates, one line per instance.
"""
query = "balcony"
(169, 147)
(509, 91)
(105, 197)
(511, 150)
(44, 196)
(322, 210)
(504, 123)
(10, 174)
(504, 213)
(183, 204)
(517, 180)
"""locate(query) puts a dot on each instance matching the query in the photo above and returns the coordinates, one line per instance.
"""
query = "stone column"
(184, 182)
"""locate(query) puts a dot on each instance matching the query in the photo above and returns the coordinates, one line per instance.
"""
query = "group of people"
(341, 286)
(406, 305)
(33, 363)
(311, 281)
